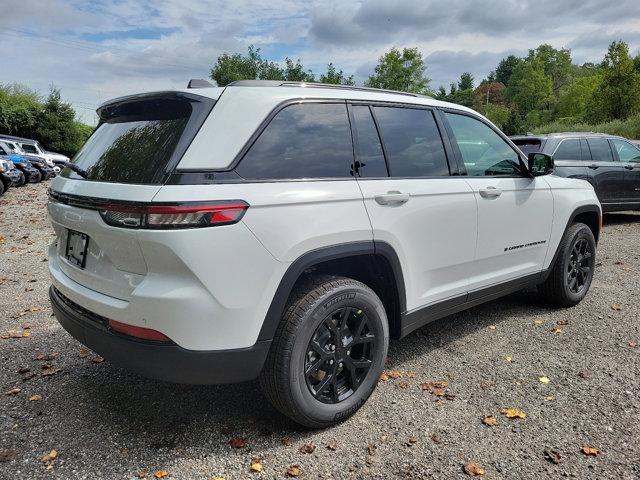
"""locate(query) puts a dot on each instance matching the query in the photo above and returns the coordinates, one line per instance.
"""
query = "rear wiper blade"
(75, 168)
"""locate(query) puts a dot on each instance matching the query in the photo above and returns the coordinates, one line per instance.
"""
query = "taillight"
(138, 332)
(173, 216)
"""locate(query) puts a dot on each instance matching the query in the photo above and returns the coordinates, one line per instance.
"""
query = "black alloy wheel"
(579, 266)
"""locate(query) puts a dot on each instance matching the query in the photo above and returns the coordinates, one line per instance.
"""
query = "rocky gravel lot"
(574, 373)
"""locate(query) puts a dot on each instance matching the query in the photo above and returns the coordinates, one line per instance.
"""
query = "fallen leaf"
(294, 471)
(34, 309)
(556, 330)
(492, 327)
(142, 473)
(47, 370)
(24, 370)
(474, 470)
(633, 344)
(552, 455)
(537, 322)
(508, 359)
(411, 441)
(616, 307)
(590, 451)
(563, 322)
(52, 455)
(307, 448)
(35, 398)
(439, 392)
(548, 398)
(384, 377)
(84, 352)
(47, 357)
(8, 455)
(544, 380)
(97, 359)
(26, 326)
(584, 374)
(238, 442)
(160, 473)
(409, 375)
(403, 384)
(332, 444)
(490, 420)
(13, 391)
(395, 374)
(513, 413)
(286, 441)
(431, 386)
(371, 449)
(256, 465)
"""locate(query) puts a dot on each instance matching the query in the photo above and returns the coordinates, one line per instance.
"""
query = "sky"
(97, 50)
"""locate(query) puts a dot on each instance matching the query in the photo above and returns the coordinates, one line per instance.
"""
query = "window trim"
(356, 139)
(463, 169)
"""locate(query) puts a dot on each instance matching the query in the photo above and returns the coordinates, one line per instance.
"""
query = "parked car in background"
(15, 148)
(37, 161)
(9, 175)
(290, 231)
(610, 163)
(31, 173)
(33, 147)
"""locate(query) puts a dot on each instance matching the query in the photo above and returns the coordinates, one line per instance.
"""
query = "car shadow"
(619, 218)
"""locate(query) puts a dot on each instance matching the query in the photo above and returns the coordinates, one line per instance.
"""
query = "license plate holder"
(76, 250)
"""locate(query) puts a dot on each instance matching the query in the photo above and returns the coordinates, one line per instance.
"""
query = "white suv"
(286, 231)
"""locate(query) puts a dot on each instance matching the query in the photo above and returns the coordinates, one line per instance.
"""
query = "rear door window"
(369, 155)
(529, 145)
(600, 150)
(569, 149)
(626, 151)
(141, 141)
(306, 140)
(412, 142)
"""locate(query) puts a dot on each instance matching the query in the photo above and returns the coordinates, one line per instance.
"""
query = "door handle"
(593, 166)
(392, 198)
(629, 167)
(490, 192)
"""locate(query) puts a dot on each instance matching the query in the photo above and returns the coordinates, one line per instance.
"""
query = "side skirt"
(415, 319)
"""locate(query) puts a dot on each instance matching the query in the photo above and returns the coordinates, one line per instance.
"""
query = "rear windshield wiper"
(75, 168)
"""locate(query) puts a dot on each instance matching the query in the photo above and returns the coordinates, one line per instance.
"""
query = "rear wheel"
(22, 180)
(572, 273)
(327, 353)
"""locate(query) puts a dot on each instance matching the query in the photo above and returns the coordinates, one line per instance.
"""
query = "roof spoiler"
(199, 83)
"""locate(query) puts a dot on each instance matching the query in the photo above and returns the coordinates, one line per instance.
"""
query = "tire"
(2, 188)
(572, 273)
(22, 181)
(318, 303)
(36, 178)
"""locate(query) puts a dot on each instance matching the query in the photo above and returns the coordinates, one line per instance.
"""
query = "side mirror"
(540, 164)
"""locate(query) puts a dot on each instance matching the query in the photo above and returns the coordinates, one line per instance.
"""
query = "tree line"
(51, 121)
(519, 95)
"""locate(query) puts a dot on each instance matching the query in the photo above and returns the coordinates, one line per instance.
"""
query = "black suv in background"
(611, 164)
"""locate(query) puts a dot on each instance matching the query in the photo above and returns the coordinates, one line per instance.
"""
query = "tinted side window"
(412, 142)
(369, 155)
(586, 153)
(307, 140)
(626, 151)
(569, 149)
(600, 150)
(483, 151)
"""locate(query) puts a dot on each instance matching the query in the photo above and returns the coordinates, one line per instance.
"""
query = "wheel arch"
(375, 264)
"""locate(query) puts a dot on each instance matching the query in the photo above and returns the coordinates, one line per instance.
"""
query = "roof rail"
(199, 83)
(285, 83)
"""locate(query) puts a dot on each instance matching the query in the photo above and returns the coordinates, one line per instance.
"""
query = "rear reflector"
(138, 332)
(173, 216)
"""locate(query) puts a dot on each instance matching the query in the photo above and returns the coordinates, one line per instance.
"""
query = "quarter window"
(600, 150)
(626, 151)
(369, 155)
(483, 151)
(412, 142)
(569, 149)
(307, 140)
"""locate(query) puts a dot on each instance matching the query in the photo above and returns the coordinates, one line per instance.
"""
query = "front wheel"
(328, 352)
(572, 272)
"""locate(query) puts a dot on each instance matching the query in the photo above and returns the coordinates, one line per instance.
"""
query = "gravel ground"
(106, 423)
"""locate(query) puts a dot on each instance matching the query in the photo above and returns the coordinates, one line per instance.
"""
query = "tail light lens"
(173, 216)
(138, 332)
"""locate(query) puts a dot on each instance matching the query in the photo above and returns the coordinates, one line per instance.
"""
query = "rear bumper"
(155, 360)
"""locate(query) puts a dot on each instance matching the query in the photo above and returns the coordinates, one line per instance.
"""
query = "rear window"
(529, 145)
(569, 149)
(141, 141)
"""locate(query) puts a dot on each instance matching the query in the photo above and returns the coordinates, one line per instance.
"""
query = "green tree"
(229, 68)
(404, 71)
(295, 72)
(20, 108)
(335, 76)
(56, 126)
(574, 97)
(556, 63)
(489, 93)
(498, 114)
(514, 124)
(466, 81)
(529, 87)
(618, 95)
(505, 68)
